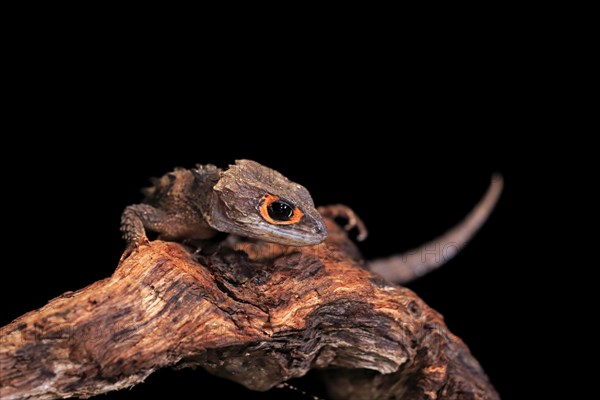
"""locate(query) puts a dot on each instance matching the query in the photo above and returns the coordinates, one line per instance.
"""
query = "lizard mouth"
(293, 236)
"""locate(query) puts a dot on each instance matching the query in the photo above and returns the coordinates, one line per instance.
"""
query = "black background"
(410, 148)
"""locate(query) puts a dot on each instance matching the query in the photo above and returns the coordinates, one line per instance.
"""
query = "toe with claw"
(345, 212)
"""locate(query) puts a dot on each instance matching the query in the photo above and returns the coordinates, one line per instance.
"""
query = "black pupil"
(280, 210)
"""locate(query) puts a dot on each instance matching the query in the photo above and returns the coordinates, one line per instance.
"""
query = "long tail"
(418, 262)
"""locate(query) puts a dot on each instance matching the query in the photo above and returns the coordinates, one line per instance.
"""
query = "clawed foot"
(134, 246)
(353, 220)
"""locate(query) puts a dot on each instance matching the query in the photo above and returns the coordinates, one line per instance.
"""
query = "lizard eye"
(280, 210)
(277, 211)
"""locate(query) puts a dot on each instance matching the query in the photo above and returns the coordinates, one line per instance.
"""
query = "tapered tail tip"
(497, 179)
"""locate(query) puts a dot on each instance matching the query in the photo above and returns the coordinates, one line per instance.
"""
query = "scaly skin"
(247, 199)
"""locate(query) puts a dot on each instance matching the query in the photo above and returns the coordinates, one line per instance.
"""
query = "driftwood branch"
(256, 313)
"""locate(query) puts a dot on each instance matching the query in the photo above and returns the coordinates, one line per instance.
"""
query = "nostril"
(320, 229)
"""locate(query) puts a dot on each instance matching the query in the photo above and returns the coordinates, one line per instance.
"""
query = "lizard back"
(188, 188)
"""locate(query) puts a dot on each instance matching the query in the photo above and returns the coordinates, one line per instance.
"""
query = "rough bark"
(256, 313)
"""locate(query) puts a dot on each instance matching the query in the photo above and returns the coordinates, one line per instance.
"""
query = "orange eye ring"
(265, 204)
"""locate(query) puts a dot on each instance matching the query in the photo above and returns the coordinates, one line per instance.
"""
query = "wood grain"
(256, 313)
